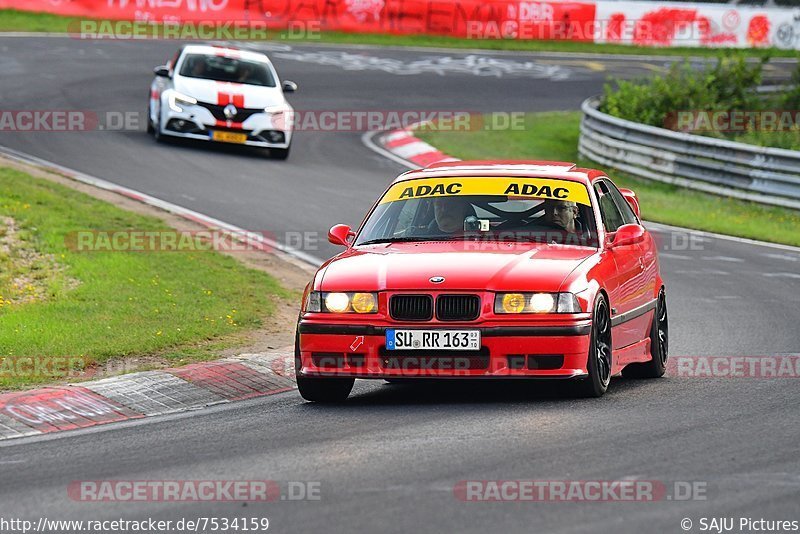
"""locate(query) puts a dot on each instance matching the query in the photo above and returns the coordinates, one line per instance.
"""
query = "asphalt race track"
(388, 460)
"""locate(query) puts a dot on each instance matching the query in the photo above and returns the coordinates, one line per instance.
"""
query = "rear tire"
(659, 345)
(599, 359)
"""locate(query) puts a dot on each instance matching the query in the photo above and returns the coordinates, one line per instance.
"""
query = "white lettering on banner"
(365, 9)
(189, 5)
(531, 11)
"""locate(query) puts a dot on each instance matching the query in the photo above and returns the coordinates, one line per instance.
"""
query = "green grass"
(15, 20)
(554, 136)
(95, 306)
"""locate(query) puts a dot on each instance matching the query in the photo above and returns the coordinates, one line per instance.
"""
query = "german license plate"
(433, 339)
(228, 137)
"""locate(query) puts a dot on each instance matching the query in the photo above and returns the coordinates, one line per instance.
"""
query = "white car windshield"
(226, 69)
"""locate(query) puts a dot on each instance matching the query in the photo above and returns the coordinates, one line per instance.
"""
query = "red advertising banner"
(601, 21)
(466, 18)
(697, 25)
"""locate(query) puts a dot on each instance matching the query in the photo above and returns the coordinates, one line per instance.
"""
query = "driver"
(198, 67)
(449, 214)
(561, 215)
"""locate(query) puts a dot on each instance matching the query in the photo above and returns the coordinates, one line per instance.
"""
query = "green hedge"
(728, 85)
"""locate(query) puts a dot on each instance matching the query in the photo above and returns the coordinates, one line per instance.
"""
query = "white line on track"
(730, 259)
(786, 257)
(674, 256)
(781, 275)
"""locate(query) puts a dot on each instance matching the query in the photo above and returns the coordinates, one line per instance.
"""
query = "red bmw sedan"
(487, 269)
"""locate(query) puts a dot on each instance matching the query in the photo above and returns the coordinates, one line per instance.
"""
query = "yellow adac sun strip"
(544, 188)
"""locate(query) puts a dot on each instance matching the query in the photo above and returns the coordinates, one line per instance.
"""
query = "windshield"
(226, 69)
(491, 209)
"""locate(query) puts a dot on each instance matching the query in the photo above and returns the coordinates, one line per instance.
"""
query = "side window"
(174, 61)
(612, 218)
(628, 217)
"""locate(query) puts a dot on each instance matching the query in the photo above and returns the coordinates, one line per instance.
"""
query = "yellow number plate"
(228, 137)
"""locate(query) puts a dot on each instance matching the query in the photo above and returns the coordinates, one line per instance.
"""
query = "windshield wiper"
(401, 240)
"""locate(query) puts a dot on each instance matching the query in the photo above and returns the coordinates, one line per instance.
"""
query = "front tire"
(599, 360)
(279, 153)
(659, 345)
(157, 135)
(325, 390)
(150, 128)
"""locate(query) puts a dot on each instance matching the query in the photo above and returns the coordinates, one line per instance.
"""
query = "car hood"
(409, 266)
(213, 92)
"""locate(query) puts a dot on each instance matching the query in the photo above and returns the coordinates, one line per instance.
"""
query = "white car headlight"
(282, 117)
(341, 302)
(175, 98)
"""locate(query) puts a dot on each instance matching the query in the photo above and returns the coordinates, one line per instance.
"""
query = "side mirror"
(289, 86)
(630, 196)
(340, 235)
(161, 71)
(627, 234)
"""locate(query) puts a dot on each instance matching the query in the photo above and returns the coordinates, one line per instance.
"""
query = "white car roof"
(214, 50)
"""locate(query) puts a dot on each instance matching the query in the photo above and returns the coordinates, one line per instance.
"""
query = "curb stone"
(145, 394)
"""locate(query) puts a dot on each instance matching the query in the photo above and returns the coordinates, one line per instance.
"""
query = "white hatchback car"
(223, 94)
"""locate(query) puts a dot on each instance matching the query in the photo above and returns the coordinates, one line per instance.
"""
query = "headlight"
(536, 303)
(337, 302)
(176, 98)
(282, 117)
(364, 303)
(341, 302)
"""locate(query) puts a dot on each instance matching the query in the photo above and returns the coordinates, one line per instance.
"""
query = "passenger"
(244, 73)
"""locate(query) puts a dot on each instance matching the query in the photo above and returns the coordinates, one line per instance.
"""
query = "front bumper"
(196, 122)
(518, 351)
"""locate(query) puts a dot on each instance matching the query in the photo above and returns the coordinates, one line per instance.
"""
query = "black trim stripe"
(579, 376)
(634, 313)
(492, 331)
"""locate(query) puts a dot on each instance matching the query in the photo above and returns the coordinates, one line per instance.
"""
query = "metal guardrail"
(759, 174)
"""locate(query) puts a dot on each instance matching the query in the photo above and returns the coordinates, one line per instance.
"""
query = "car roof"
(226, 51)
(504, 168)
